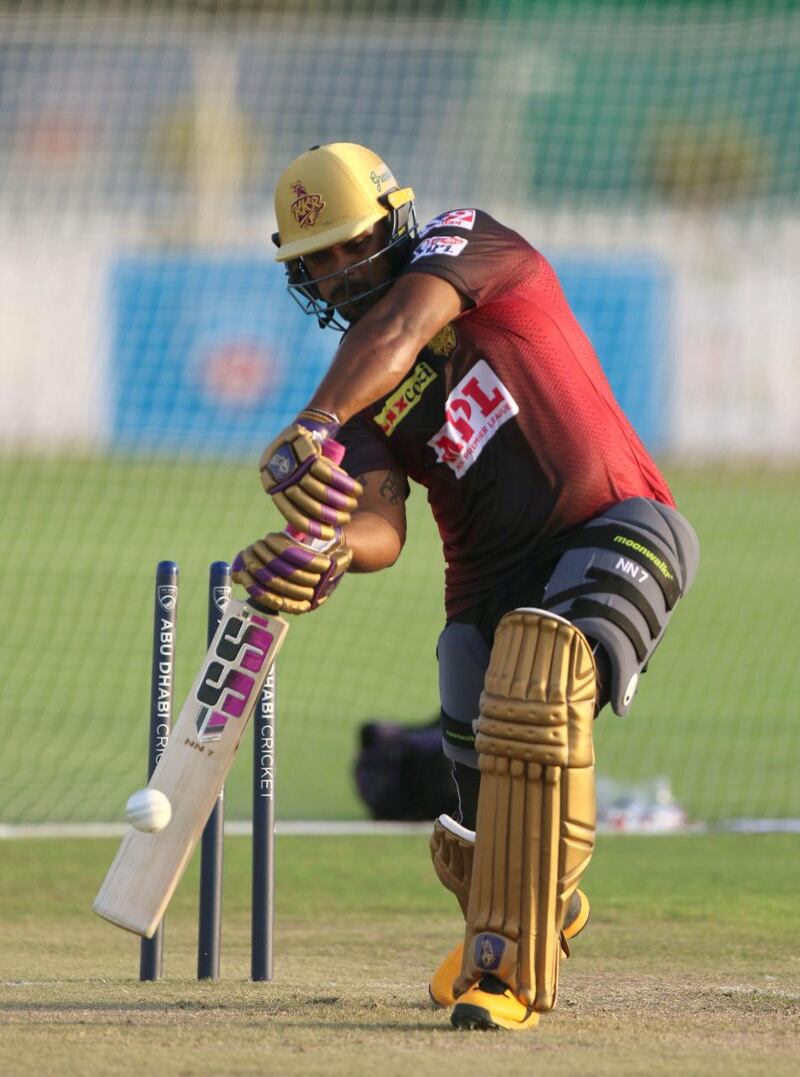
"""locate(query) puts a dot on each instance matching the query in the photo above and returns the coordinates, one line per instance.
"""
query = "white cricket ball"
(148, 809)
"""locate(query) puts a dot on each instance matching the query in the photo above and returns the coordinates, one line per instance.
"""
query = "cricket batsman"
(463, 368)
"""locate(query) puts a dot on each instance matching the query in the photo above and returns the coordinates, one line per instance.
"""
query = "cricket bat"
(193, 767)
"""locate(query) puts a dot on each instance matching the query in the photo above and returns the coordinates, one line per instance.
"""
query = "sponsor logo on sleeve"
(404, 398)
(475, 410)
(452, 245)
(454, 218)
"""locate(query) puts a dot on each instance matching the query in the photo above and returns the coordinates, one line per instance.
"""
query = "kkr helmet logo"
(306, 207)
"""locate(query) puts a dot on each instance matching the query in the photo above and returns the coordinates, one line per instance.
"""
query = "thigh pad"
(620, 581)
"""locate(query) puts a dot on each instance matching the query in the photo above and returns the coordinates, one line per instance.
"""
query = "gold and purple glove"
(290, 572)
(300, 470)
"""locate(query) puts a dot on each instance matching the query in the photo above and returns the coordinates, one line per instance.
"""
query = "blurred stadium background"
(651, 150)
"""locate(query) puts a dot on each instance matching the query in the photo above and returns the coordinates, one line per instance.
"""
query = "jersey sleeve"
(480, 257)
(367, 450)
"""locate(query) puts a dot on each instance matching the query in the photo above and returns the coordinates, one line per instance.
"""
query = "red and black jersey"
(506, 417)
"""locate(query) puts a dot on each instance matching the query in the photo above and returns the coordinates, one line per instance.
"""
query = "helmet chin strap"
(304, 289)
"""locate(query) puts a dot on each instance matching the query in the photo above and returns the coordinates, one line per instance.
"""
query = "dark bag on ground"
(401, 772)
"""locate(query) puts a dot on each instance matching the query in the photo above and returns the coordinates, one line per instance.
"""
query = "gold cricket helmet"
(329, 195)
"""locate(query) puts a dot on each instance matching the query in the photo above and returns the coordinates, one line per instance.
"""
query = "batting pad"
(452, 847)
(536, 810)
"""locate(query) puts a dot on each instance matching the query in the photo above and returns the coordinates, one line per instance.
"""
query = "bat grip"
(333, 450)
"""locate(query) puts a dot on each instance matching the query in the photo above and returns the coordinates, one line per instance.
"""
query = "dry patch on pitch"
(356, 1004)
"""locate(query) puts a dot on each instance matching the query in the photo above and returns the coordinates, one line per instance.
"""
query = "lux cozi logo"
(406, 397)
(475, 410)
(226, 688)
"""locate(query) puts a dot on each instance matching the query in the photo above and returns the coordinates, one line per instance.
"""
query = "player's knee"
(540, 692)
(603, 665)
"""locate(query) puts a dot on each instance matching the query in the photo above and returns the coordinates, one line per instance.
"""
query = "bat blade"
(193, 767)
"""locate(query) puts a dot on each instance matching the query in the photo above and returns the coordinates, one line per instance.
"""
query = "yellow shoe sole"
(482, 1010)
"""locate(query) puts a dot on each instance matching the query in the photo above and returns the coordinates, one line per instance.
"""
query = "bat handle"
(333, 450)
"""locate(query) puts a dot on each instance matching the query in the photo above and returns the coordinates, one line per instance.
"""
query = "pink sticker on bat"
(253, 660)
(240, 686)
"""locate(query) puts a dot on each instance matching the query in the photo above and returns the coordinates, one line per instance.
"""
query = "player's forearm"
(375, 544)
(377, 353)
(373, 357)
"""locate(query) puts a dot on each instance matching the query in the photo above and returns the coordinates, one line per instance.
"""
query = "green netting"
(652, 151)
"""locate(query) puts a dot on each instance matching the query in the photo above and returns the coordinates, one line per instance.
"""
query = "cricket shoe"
(441, 986)
(490, 1004)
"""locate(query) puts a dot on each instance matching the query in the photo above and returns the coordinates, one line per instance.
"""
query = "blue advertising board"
(623, 305)
(210, 355)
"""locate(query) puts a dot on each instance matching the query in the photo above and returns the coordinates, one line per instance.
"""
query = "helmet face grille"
(303, 288)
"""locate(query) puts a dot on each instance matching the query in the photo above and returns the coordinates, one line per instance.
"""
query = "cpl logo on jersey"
(433, 245)
(475, 410)
(454, 218)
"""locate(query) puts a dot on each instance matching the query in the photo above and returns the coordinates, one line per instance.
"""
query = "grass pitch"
(690, 965)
